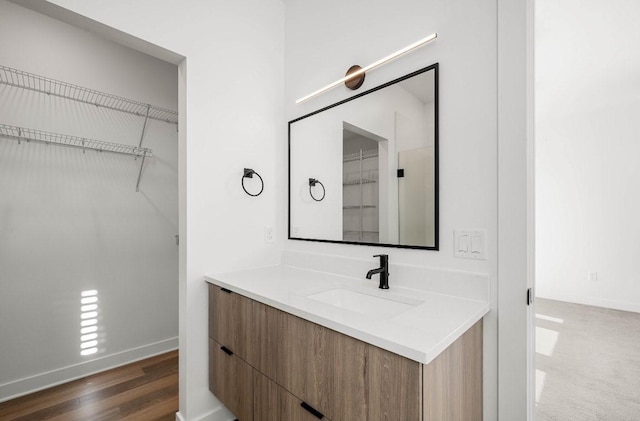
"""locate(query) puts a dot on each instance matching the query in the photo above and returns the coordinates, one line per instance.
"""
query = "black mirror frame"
(436, 164)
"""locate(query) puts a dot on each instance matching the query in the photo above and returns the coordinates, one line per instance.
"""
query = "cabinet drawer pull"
(228, 291)
(226, 350)
(313, 411)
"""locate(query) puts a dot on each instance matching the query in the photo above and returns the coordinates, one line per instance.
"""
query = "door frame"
(516, 246)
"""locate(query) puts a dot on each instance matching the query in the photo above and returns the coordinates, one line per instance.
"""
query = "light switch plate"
(470, 244)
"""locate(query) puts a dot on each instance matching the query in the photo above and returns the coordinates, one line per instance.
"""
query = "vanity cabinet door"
(273, 403)
(306, 362)
(229, 320)
(231, 381)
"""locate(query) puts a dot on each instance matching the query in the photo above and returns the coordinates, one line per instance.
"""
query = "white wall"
(467, 52)
(71, 222)
(587, 149)
(320, 157)
(232, 117)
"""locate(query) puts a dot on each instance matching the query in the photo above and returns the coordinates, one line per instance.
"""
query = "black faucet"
(383, 270)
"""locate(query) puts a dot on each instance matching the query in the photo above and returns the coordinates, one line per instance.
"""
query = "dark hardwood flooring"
(144, 390)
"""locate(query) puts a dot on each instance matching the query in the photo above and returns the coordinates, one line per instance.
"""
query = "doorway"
(586, 200)
(360, 192)
(90, 202)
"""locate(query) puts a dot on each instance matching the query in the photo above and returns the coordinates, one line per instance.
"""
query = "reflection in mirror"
(360, 202)
(377, 152)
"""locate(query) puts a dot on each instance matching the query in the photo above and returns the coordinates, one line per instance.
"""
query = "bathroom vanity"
(288, 343)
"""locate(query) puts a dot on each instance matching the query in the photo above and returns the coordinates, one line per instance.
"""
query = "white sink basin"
(382, 305)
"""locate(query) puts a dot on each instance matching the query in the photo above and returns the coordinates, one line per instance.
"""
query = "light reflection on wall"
(89, 322)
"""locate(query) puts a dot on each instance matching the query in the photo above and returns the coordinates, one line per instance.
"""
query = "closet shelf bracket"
(140, 173)
(144, 127)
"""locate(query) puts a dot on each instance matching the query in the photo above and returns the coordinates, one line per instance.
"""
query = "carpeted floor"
(587, 363)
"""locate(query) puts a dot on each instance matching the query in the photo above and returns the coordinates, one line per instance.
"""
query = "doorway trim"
(515, 209)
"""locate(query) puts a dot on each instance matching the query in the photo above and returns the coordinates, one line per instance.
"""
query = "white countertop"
(421, 332)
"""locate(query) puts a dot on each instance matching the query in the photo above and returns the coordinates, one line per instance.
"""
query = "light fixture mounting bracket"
(356, 81)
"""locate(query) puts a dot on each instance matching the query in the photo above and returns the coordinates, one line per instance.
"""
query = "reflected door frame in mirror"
(382, 205)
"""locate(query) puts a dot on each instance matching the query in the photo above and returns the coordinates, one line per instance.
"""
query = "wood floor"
(145, 390)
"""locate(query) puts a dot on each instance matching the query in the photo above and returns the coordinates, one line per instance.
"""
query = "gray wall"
(72, 221)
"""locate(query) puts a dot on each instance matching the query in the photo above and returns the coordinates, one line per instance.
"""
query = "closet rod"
(42, 84)
(31, 135)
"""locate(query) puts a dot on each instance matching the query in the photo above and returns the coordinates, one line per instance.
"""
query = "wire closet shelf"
(356, 156)
(20, 79)
(31, 135)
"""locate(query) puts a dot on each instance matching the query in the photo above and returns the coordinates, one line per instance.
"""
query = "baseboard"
(596, 302)
(218, 414)
(62, 375)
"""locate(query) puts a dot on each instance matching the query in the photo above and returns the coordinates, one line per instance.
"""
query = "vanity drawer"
(344, 378)
(395, 387)
(306, 362)
(264, 338)
(231, 380)
(273, 403)
(230, 320)
(248, 328)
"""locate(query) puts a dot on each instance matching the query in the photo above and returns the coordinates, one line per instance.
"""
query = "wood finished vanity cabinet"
(268, 365)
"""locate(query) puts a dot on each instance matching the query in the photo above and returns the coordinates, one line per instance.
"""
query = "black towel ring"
(312, 183)
(249, 173)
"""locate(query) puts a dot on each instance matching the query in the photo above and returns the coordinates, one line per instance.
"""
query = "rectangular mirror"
(365, 170)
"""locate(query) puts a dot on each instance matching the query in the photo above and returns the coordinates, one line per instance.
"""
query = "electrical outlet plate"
(268, 235)
(470, 244)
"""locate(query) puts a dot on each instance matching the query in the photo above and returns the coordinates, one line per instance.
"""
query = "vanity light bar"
(372, 66)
